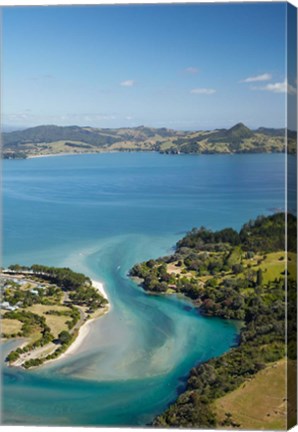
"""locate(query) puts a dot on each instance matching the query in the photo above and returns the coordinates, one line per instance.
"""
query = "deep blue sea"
(100, 214)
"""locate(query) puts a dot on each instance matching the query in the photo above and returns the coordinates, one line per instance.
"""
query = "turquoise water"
(100, 214)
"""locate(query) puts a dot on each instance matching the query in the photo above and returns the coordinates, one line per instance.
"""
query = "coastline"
(82, 331)
(75, 154)
(58, 154)
(85, 328)
(100, 287)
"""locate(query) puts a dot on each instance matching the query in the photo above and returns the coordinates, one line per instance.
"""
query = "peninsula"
(59, 140)
(48, 307)
(242, 276)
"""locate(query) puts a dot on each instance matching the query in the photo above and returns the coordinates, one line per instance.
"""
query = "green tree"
(259, 277)
(64, 337)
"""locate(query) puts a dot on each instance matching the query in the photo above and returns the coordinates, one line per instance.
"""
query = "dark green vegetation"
(229, 275)
(77, 285)
(64, 298)
(43, 140)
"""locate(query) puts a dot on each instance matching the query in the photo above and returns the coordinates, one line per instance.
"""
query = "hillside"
(232, 275)
(51, 139)
(253, 404)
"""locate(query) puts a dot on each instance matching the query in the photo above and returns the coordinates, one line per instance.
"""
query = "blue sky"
(179, 66)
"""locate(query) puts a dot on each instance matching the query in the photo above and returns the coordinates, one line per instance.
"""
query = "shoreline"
(82, 331)
(100, 287)
(85, 328)
(57, 154)
(76, 154)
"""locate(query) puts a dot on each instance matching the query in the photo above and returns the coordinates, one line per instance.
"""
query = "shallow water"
(100, 214)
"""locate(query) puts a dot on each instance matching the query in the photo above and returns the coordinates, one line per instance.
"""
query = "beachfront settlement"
(47, 308)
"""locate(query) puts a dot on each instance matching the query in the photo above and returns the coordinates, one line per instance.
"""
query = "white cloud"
(206, 91)
(263, 77)
(127, 83)
(191, 70)
(279, 87)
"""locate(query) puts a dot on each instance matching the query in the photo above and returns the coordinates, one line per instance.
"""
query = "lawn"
(55, 322)
(273, 266)
(41, 309)
(10, 326)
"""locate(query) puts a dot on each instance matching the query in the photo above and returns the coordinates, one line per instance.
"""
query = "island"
(46, 307)
(50, 140)
(241, 276)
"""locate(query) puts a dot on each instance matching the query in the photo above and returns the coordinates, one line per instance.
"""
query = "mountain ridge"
(52, 139)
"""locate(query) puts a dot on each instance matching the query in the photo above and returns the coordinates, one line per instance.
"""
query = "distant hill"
(48, 134)
(51, 139)
(235, 134)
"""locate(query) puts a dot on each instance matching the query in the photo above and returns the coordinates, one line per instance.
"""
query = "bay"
(100, 214)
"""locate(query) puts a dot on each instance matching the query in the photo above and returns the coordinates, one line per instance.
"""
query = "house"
(34, 291)
(7, 306)
(12, 308)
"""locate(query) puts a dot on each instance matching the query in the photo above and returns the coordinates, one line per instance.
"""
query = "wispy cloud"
(191, 70)
(279, 87)
(127, 83)
(205, 91)
(263, 77)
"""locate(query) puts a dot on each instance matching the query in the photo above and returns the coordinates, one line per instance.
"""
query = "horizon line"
(14, 128)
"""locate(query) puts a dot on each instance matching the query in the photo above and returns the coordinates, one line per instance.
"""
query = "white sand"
(83, 332)
(60, 154)
(85, 328)
(99, 286)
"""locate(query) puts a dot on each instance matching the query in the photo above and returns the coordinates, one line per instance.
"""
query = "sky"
(183, 66)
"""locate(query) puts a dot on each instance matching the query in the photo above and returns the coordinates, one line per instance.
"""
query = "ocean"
(101, 214)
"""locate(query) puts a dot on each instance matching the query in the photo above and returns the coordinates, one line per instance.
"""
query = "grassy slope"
(10, 326)
(259, 403)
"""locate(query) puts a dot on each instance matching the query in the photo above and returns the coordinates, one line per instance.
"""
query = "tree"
(237, 268)
(259, 277)
(13, 356)
(64, 337)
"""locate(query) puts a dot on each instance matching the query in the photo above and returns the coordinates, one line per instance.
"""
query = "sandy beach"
(85, 328)
(82, 334)
(99, 285)
(62, 154)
